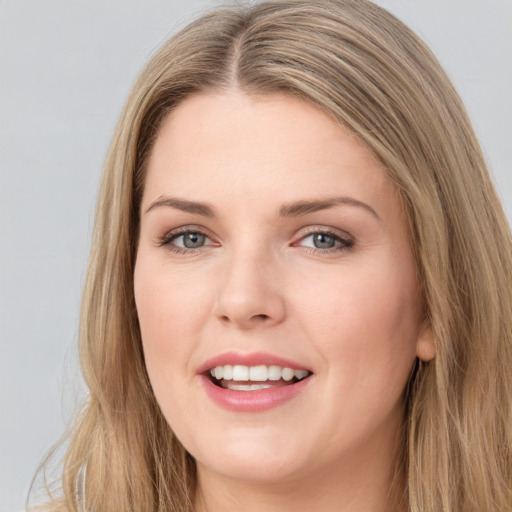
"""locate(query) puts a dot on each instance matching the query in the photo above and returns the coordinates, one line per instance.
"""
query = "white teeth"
(228, 372)
(240, 372)
(300, 374)
(274, 372)
(288, 374)
(247, 387)
(260, 373)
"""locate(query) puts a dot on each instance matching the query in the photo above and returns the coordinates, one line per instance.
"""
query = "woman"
(298, 291)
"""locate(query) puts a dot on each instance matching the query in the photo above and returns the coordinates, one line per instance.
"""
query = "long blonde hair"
(366, 69)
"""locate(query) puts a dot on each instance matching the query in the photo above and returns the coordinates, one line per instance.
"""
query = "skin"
(350, 313)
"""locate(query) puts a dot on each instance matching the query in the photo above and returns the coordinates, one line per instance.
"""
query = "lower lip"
(252, 401)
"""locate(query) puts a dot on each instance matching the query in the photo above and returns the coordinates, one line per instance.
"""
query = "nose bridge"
(249, 294)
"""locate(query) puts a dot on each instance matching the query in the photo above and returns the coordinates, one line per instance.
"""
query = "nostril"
(261, 317)
(258, 318)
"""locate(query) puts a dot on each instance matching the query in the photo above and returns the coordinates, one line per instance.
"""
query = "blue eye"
(189, 240)
(325, 241)
(185, 241)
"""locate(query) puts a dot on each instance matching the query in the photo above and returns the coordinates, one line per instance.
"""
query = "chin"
(243, 469)
(263, 461)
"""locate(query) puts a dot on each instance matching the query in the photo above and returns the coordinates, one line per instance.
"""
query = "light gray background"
(65, 69)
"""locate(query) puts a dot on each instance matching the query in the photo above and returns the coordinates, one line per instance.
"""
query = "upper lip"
(249, 359)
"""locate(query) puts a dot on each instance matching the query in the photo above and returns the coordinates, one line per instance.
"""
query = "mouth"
(253, 382)
(255, 378)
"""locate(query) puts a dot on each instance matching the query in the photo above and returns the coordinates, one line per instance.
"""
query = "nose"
(249, 293)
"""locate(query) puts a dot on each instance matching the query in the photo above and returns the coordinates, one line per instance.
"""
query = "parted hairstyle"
(365, 69)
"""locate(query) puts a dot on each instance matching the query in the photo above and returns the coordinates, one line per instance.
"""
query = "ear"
(425, 346)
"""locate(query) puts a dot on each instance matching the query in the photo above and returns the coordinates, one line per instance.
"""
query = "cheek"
(365, 323)
(170, 310)
(363, 298)
(165, 298)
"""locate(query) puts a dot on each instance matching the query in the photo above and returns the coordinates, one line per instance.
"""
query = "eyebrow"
(295, 209)
(184, 205)
(305, 207)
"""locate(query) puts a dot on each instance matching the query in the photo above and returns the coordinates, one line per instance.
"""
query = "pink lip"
(252, 359)
(250, 401)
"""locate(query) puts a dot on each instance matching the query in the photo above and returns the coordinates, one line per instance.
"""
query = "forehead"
(273, 146)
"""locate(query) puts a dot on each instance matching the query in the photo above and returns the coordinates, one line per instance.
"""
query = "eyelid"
(167, 238)
(310, 230)
(346, 241)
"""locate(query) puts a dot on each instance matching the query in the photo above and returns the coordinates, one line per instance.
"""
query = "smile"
(255, 378)
(251, 383)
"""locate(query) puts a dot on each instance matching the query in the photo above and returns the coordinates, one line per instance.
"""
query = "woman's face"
(274, 253)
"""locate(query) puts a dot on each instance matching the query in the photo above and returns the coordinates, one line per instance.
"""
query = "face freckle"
(271, 237)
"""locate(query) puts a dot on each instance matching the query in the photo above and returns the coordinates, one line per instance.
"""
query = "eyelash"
(343, 244)
(168, 238)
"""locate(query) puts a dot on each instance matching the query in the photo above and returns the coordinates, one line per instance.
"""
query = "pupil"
(193, 240)
(323, 241)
